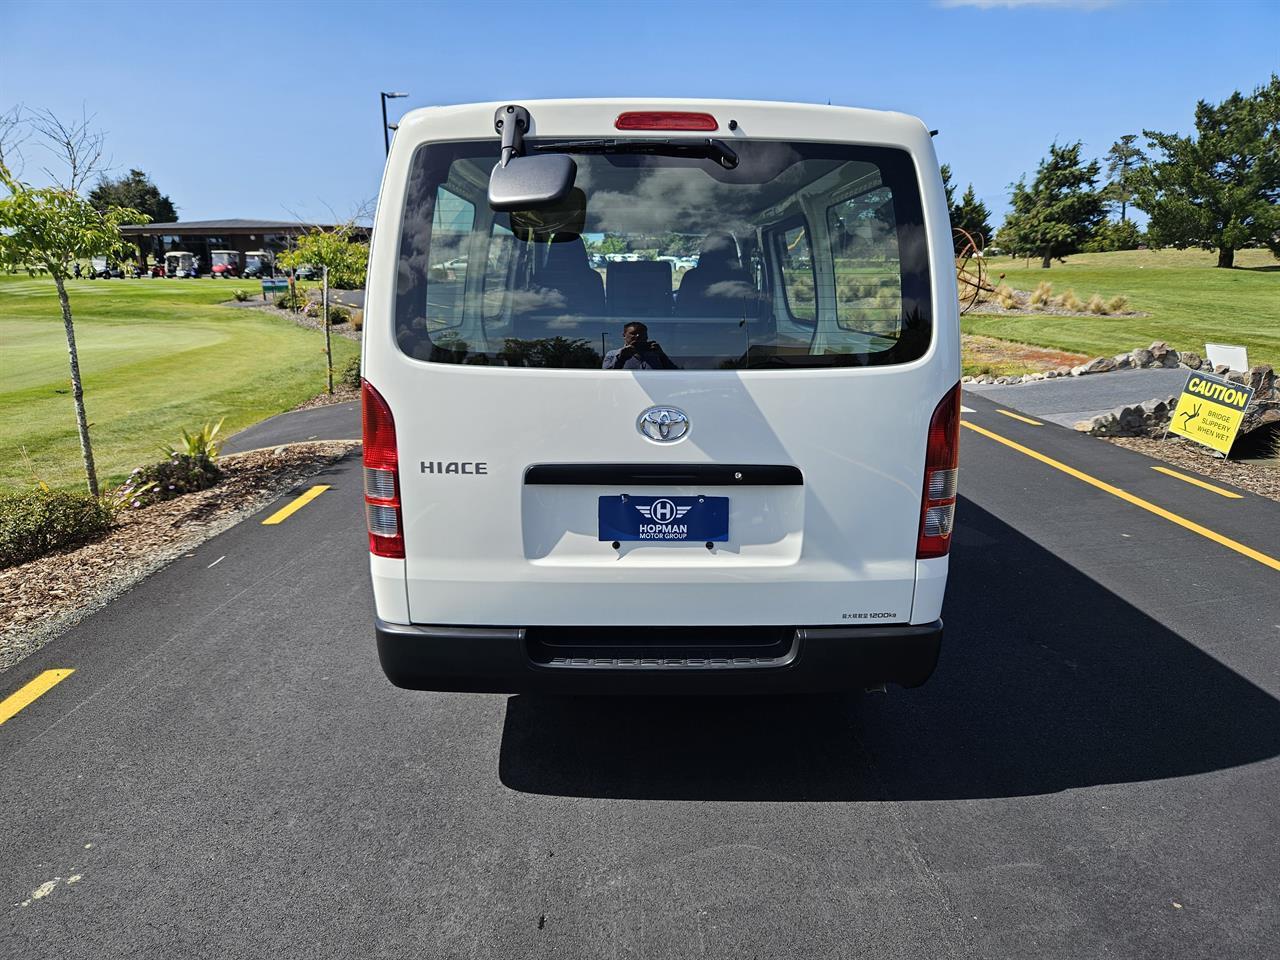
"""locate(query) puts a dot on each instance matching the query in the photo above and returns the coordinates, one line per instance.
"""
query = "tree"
(134, 191)
(609, 243)
(344, 262)
(50, 228)
(1220, 189)
(1123, 159)
(1114, 235)
(973, 217)
(1058, 212)
(948, 188)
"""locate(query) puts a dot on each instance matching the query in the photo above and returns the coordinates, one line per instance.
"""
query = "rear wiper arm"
(705, 147)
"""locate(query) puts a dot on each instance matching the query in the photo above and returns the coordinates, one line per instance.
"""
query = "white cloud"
(1019, 4)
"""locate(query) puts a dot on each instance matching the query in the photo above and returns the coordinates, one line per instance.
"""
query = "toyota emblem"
(664, 424)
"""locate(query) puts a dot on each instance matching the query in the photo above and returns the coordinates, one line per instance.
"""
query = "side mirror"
(531, 183)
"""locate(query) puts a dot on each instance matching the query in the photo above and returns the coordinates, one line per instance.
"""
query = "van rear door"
(800, 353)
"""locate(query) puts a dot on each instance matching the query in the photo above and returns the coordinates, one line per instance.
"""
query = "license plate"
(664, 519)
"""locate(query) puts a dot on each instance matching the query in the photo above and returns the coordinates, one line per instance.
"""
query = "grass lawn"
(156, 356)
(1189, 300)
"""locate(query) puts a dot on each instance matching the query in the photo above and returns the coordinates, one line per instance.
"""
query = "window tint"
(452, 221)
(717, 263)
(797, 273)
(868, 270)
(497, 269)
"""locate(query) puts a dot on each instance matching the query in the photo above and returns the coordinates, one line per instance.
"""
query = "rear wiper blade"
(703, 147)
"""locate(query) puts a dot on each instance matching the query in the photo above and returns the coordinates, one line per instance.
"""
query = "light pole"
(386, 132)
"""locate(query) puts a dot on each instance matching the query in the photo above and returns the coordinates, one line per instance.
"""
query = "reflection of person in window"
(638, 352)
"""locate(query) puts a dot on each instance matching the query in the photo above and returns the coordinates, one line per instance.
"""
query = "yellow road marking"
(1199, 483)
(27, 694)
(287, 511)
(1018, 416)
(1191, 525)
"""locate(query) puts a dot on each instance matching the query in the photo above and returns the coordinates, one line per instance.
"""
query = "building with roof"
(201, 237)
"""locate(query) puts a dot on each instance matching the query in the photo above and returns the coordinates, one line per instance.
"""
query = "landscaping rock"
(1262, 381)
(1190, 359)
(1096, 365)
(1124, 361)
(1139, 420)
(1142, 358)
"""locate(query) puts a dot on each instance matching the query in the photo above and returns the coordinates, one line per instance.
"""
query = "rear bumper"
(506, 660)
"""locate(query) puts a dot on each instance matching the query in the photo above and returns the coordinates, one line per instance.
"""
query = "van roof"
(763, 119)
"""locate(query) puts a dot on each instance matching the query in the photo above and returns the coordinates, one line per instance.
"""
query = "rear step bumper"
(520, 660)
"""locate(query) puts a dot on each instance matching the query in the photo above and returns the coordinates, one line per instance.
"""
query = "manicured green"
(1188, 299)
(157, 356)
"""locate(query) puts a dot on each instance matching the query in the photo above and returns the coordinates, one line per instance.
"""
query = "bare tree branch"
(74, 144)
(13, 133)
(363, 211)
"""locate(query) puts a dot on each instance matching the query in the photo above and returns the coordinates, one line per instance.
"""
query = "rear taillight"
(381, 479)
(665, 120)
(941, 462)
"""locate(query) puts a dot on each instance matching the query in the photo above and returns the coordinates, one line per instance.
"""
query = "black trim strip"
(665, 474)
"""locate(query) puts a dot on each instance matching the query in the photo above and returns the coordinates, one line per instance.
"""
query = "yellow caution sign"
(1210, 410)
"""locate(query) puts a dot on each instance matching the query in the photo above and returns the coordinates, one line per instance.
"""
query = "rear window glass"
(800, 255)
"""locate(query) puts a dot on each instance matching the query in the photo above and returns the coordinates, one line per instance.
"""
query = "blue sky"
(265, 109)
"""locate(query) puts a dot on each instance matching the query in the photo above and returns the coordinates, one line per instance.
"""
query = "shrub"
(294, 300)
(240, 295)
(312, 309)
(203, 443)
(37, 522)
(357, 319)
(1042, 294)
(338, 314)
(1095, 304)
(351, 374)
(167, 479)
(1117, 304)
(1006, 297)
(1069, 301)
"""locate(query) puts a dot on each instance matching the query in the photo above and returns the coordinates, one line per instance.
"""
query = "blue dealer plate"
(664, 519)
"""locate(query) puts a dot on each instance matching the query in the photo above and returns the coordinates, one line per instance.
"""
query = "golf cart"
(306, 271)
(103, 269)
(258, 263)
(179, 263)
(224, 263)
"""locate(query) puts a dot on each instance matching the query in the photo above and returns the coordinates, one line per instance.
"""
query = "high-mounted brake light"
(665, 120)
(381, 480)
(941, 467)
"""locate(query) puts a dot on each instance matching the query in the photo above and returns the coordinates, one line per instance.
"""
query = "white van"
(630, 478)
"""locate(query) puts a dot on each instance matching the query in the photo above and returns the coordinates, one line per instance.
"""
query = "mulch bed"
(1260, 478)
(989, 350)
(42, 598)
(341, 394)
(990, 305)
(348, 330)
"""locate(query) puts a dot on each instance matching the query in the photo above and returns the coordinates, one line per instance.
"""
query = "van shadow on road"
(1047, 681)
